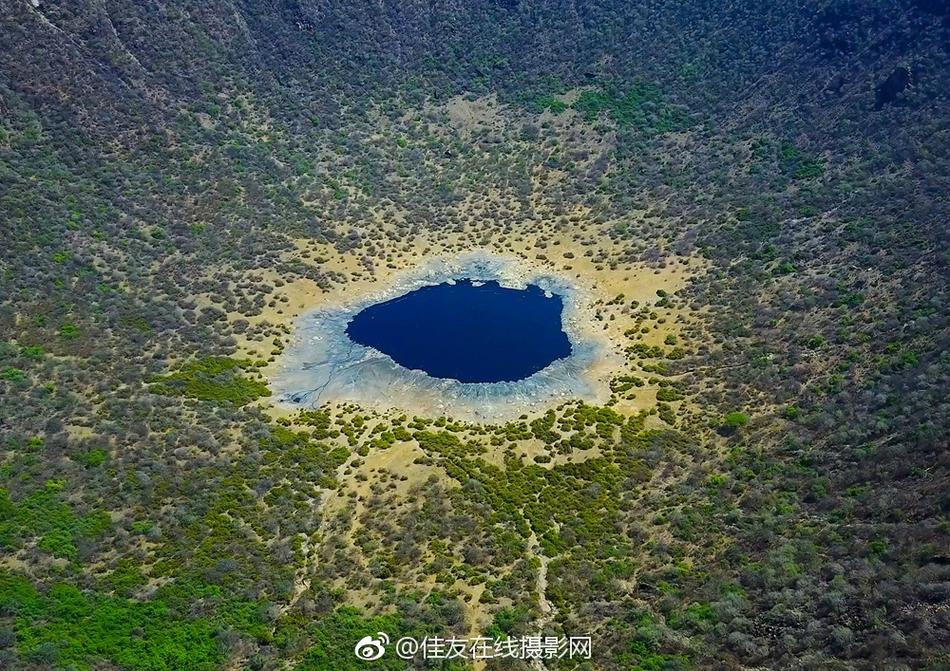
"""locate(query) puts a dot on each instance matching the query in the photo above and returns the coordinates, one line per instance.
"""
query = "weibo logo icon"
(370, 648)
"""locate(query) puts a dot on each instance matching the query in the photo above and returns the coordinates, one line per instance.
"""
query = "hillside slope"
(783, 503)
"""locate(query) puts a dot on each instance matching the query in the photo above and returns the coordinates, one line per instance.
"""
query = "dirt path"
(546, 607)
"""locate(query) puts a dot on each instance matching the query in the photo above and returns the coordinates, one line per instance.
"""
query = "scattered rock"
(888, 90)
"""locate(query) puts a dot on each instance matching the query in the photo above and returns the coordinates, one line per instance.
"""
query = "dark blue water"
(484, 333)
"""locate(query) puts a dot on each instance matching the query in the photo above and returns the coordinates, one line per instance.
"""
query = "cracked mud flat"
(322, 365)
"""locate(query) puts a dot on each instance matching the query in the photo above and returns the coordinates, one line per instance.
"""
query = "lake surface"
(467, 331)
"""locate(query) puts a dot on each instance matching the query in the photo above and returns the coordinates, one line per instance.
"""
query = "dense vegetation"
(781, 502)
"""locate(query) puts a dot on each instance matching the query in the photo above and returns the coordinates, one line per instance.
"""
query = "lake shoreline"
(322, 365)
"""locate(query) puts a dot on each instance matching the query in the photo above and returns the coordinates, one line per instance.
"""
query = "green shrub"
(215, 379)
